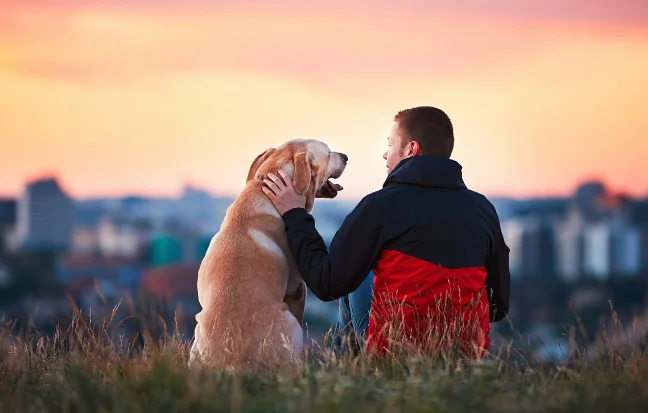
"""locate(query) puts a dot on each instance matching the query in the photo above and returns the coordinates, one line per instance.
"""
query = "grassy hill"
(87, 368)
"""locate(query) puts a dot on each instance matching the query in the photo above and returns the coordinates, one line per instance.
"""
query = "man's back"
(439, 219)
(440, 245)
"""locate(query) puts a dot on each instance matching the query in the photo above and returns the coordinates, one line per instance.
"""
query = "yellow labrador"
(249, 287)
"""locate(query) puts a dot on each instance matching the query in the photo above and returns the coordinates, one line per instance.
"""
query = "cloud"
(612, 11)
(100, 46)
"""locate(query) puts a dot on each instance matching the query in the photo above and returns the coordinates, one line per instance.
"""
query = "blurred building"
(638, 213)
(122, 237)
(177, 285)
(612, 241)
(329, 216)
(569, 246)
(44, 216)
(597, 238)
(597, 254)
(5, 276)
(122, 272)
(166, 249)
(531, 241)
(590, 200)
(643, 251)
(512, 230)
(626, 249)
(7, 221)
(201, 212)
(85, 240)
(177, 244)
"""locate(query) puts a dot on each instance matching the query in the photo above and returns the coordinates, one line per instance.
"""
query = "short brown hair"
(428, 126)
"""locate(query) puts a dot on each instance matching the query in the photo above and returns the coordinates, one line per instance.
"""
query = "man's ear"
(257, 163)
(412, 149)
(302, 176)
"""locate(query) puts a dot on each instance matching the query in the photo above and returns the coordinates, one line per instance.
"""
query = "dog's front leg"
(296, 301)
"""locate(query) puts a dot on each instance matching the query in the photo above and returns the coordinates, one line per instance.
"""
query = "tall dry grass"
(89, 366)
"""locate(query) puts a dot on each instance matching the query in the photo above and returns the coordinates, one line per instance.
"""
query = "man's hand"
(283, 195)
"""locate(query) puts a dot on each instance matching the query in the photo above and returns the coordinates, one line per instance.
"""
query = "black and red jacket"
(427, 239)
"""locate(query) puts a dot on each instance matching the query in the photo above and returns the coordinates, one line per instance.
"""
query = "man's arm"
(353, 251)
(498, 278)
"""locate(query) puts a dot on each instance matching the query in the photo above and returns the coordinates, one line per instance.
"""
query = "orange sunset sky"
(138, 97)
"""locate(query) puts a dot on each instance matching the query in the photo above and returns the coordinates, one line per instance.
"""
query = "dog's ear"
(302, 175)
(257, 163)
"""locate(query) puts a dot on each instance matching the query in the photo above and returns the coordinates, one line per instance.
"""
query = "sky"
(143, 96)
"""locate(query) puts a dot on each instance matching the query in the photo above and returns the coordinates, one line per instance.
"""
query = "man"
(435, 249)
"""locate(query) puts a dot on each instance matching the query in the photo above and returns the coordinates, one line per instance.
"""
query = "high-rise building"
(569, 246)
(44, 216)
(612, 248)
(513, 232)
(626, 249)
(590, 199)
(531, 241)
(7, 220)
(121, 237)
(597, 253)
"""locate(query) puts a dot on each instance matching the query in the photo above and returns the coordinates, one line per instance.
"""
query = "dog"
(251, 293)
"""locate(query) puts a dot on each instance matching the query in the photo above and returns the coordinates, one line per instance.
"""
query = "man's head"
(423, 130)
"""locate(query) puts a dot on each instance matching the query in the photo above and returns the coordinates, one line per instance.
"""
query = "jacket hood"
(427, 171)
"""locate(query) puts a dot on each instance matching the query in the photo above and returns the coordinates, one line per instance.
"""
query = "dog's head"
(309, 162)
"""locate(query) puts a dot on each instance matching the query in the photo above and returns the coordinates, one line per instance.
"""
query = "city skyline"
(593, 233)
(139, 97)
(192, 185)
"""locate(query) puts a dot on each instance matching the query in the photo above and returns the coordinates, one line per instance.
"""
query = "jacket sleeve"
(498, 278)
(353, 250)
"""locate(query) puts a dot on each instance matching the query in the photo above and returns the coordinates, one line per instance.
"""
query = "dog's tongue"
(329, 190)
(335, 186)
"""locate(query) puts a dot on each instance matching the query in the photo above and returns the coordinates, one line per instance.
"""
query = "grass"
(89, 367)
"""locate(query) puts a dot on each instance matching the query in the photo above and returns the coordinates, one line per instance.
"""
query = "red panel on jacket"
(417, 300)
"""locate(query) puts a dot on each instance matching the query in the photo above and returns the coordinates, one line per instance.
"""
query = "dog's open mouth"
(328, 190)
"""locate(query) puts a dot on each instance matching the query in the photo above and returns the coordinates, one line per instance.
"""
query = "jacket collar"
(427, 171)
